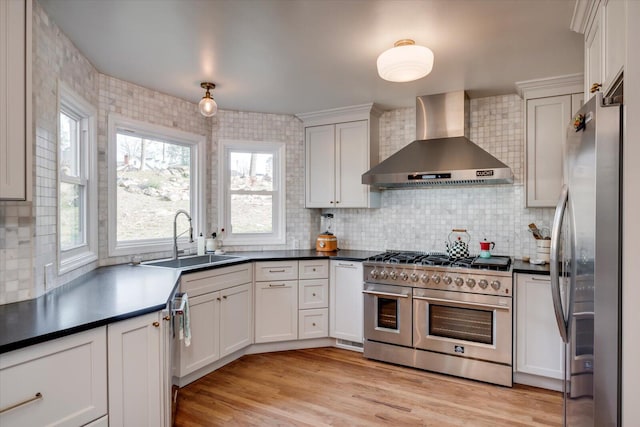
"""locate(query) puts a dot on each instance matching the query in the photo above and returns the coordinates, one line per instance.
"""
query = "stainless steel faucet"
(175, 231)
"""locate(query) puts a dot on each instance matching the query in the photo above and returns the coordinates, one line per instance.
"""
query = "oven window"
(387, 313)
(461, 323)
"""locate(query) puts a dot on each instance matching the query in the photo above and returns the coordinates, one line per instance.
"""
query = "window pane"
(71, 215)
(153, 182)
(69, 146)
(251, 171)
(251, 214)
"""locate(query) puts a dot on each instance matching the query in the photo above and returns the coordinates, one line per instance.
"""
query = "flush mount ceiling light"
(208, 106)
(405, 62)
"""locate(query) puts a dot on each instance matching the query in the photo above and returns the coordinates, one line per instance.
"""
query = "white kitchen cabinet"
(538, 346)
(313, 299)
(221, 315)
(341, 144)
(276, 311)
(15, 100)
(549, 107)
(137, 358)
(346, 301)
(61, 382)
(313, 323)
(603, 23)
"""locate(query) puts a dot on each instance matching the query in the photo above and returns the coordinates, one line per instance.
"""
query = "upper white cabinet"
(62, 382)
(346, 302)
(539, 348)
(341, 144)
(15, 100)
(549, 106)
(603, 24)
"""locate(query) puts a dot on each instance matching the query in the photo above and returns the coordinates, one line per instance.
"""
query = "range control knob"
(447, 280)
(374, 273)
(483, 283)
(425, 278)
(495, 285)
(471, 282)
(393, 275)
(384, 274)
(435, 279)
(404, 276)
(459, 281)
(414, 277)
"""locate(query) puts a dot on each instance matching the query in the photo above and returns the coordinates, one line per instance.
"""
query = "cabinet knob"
(218, 299)
(331, 202)
(313, 294)
(224, 297)
(314, 324)
(337, 201)
(167, 318)
(595, 87)
(156, 324)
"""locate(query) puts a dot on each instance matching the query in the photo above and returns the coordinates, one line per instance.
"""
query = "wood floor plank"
(335, 387)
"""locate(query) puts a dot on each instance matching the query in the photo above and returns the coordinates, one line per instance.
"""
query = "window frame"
(197, 202)
(278, 236)
(72, 104)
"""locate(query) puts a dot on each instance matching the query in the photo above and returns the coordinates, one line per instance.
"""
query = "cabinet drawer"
(70, 375)
(313, 323)
(215, 279)
(313, 294)
(276, 270)
(313, 269)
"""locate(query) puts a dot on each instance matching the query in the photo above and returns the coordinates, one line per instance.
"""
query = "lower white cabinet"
(276, 311)
(137, 383)
(346, 302)
(313, 323)
(221, 316)
(62, 382)
(539, 348)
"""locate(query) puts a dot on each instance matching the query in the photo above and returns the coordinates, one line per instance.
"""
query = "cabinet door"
(313, 323)
(614, 43)
(352, 160)
(135, 371)
(236, 319)
(539, 348)
(276, 314)
(62, 382)
(320, 166)
(547, 121)
(345, 306)
(15, 95)
(593, 55)
(204, 313)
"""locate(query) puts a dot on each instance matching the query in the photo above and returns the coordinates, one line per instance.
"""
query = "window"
(252, 196)
(77, 181)
(154, 171)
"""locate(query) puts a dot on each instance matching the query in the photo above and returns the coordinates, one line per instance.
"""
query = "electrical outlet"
(48, 276)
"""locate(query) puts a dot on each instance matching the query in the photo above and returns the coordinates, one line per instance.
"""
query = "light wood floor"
(329, 386)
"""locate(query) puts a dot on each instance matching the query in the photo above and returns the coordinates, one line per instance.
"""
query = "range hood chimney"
(442, 154)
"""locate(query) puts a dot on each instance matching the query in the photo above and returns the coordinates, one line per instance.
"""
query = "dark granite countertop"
(520, 266)
(114, 293)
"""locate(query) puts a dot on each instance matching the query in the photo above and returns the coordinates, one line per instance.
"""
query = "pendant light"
(208, 106)
(405, 62)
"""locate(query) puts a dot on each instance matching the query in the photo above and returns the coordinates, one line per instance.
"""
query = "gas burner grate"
(440, 259)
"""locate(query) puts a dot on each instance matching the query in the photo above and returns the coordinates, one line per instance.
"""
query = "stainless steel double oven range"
(450, 316)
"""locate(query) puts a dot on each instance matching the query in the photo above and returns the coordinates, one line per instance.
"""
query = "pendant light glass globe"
(405, 62)
(208, 105)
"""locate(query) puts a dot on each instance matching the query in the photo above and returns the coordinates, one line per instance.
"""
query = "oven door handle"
(386, 294)
(472, 304)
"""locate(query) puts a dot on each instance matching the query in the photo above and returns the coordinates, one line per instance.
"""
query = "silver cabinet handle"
(385, 294)
(281, 285)
(277, 271)
(540, 279)
(553, 260)
(346, 265)
(471, 304)
(37, 396)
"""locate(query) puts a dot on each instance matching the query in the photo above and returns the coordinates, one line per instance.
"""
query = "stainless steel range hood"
(442, 153)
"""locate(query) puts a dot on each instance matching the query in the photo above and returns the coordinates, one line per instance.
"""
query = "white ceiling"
(294, 56)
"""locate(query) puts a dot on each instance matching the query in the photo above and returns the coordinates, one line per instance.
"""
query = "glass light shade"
(208, 106)
(405, 63)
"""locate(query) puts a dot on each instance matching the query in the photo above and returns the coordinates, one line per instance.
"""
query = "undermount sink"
(193, 261)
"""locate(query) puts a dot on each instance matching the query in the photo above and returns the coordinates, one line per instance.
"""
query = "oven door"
(387, 314)
(462, 324)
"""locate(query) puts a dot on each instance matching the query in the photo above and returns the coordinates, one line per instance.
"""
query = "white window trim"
(279, 235)
(71, 259)
(198, 203)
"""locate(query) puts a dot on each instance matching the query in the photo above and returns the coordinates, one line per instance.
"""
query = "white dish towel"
(184, 322)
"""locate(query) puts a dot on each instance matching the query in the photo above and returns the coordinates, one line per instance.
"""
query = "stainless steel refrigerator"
(585, 265)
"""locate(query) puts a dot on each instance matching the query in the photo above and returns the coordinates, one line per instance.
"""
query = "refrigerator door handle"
(555, 264)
